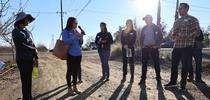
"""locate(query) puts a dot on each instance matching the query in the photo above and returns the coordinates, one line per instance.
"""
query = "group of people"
(185, 33)
(187, 37)
(151, 37)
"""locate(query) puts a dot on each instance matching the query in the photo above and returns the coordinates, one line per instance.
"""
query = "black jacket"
(104, 36)
(128, 38)
(23, 42)
(198, 40)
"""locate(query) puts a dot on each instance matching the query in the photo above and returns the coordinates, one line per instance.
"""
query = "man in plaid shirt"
(184, 32)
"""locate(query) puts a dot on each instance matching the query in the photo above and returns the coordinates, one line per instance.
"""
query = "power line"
(108, 12)
(83, 8)
(207, 10)
(196, 6)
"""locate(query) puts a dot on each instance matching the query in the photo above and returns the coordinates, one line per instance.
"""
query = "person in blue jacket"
(26, 54)
(74, 39)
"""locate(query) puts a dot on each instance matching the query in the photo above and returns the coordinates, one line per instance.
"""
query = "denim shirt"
(69, 37)
(158, 37)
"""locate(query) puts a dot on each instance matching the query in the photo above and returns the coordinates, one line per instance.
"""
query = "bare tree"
(6, 26)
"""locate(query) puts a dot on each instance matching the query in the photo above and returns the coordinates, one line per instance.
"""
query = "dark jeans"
(73, 64)
(197, 54)
(185, 55)
(104, 57)
(127, 60)
(154, 53)
(26, 68)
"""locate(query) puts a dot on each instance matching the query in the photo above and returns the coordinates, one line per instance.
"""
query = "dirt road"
(51, 83)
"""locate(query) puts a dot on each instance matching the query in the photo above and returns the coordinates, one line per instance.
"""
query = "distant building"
(92, 45)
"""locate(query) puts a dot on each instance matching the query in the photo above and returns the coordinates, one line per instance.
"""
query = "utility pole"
(61, 3)
(176, 11)
(159, 13)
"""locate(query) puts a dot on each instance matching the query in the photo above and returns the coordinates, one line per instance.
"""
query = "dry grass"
(116, 51)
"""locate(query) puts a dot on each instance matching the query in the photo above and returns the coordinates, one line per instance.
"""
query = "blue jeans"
(104, 57)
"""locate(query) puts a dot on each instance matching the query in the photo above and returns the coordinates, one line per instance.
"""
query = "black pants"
(26, 67)
(185, 55)
(73, 64)
(127, 60)
(79, 75)
(197, 55)
(154, 53)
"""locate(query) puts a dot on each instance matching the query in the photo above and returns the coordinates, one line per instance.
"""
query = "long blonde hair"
(129, 28)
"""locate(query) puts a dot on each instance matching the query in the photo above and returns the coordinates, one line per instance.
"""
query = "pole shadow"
(126, 93)
(117, 92)
(161, 95)
(143, 92)
(204, 88)
(48, 92)
(54, 94)
(176, 92)
(86, 93)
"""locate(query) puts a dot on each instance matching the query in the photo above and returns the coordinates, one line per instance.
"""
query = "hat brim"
(28, 16)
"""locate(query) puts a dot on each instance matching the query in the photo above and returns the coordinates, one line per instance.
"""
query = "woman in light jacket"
(73, 38)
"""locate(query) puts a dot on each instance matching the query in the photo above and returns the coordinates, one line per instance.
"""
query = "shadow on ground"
(86, 93)
(46, 94)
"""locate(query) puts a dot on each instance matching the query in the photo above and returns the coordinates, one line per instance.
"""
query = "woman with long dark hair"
(128, 38)
(74, 39)
(103, 41)
(26, 54)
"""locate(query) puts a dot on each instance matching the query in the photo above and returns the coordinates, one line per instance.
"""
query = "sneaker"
(170, 85)
(200, 81)
(102, 78)
(107, 79)
(80, 81)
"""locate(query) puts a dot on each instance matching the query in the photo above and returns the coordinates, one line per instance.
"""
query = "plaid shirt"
(184, 31)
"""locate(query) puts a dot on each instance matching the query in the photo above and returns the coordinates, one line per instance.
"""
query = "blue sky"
(113, 12)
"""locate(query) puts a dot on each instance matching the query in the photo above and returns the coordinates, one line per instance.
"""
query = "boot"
(70, 91)
(75, 89)
(123, 79)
